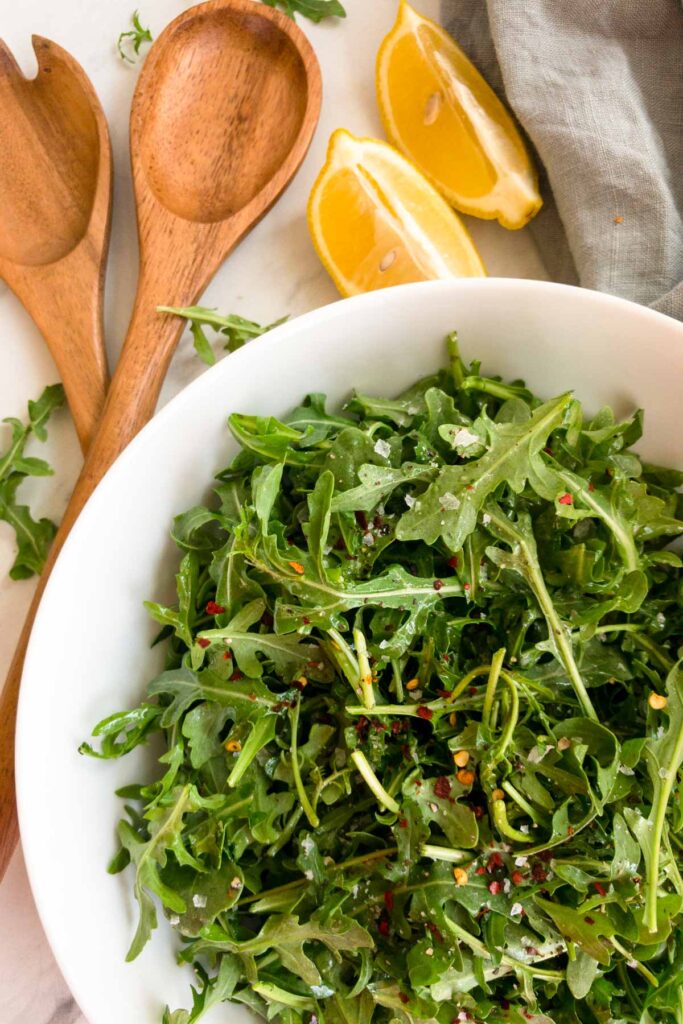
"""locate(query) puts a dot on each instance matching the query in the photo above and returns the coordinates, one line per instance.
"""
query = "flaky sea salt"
(464, 438)
(199, 901)
(449, 501)
(383, 448)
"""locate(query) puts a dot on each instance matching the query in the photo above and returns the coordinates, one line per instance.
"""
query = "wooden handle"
(71, 323)
(130, 404)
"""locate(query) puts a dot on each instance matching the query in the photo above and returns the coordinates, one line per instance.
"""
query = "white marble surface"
(275, 271)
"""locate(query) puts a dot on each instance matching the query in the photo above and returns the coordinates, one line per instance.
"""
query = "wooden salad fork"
(223, 114)
(55, 207)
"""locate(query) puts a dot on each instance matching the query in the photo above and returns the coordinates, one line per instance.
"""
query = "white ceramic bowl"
(89, 653)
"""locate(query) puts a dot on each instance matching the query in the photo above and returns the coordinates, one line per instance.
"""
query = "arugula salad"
(421, 718)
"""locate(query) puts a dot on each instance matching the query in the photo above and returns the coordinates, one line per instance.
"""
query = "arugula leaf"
(130, 42)
(235, 329)
(314, 10)
(33, 537)
(450, 506)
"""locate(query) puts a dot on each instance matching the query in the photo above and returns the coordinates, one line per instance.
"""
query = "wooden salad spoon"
(55, 206)
(223, 114)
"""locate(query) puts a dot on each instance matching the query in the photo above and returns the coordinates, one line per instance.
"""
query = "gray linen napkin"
(598, 87)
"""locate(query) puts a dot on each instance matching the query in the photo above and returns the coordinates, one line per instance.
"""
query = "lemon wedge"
(440, 112)
(376, 221)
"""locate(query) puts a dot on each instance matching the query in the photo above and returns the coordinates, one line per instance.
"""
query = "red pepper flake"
(618, 220)
(446, 694)
(425, 712)
(517, 877)
(227, 656)
(403, 823)
(214, 609)
(378, 726)
(203, 642)
(470, 487)
(472, 691)
(438, 584)
(495, 888)
(494, 861)
(395, 727)
(431, 927)
(591, 487)
(478, 811)
(252, 696)
(600, 889)
(548, 450)
(466, 586)
(389, 900)
(570, 830)
(538, 873)
(306, 621)
(403, 997)
(445, 658)
(405, 750)
(442, 787)
(383, 926)
(236, 676)
(453, 562)
(566, 499)
(362, 520)
(589, 920)
(480, 870)
(297, 567)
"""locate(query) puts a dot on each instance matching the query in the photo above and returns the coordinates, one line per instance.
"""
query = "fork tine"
(8, 66)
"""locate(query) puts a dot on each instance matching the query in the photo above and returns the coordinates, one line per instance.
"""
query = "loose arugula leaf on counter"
(131, 41)
(314, 10)
(235, 329)
(422, 716)
(33, 537)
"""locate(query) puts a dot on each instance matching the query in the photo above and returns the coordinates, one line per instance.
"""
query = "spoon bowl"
(55, 207)
(262, 65)
(50, 157)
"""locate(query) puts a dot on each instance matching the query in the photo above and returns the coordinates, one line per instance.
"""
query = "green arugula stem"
(659, 822)
(654, 651)
(397, 678)
(499, 815)
(345, 660)
(362, 764)
(556, 627)
(344, 865)
(494, 676)
(515, 795)
(313, 818)
(287, 831)
(640, 967)
(512, 719)
(446, 853)
(630, 991)
(364, 670)
(478, 947)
